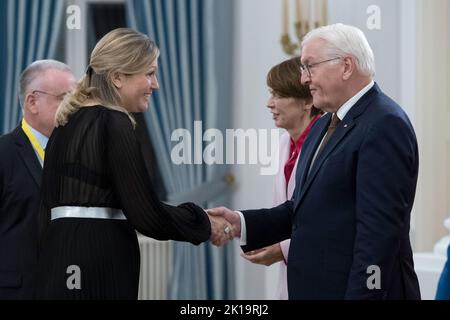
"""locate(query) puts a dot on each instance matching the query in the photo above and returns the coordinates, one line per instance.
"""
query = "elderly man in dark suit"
(349, 218)
(43, 85)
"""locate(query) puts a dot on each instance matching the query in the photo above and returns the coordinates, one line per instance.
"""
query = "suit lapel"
(305, 158)
(28, 155)
(309, 154)
(341, 131)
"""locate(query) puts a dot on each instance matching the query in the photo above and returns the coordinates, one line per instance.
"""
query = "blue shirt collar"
(42, 139)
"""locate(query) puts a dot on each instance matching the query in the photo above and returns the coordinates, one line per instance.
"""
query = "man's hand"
(265, 256)
(221, 230)
(231, 216)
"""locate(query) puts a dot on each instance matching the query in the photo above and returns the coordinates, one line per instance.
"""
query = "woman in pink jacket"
(292, 109)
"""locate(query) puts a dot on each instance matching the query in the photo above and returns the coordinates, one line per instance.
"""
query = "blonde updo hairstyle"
(122, 50)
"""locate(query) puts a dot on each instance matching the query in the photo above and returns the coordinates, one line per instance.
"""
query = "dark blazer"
(20, 175)
(353, 209)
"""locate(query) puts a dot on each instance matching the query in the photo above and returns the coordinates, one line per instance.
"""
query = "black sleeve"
(131, 182)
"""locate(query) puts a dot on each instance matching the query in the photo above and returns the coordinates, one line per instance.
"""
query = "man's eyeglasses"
(60, 97)
(308, 67)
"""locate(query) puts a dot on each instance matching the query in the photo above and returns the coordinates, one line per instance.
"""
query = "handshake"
(225, 225)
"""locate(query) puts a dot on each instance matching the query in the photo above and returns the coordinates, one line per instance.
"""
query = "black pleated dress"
(95, 160)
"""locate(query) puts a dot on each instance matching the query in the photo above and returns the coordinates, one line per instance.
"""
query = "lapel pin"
(345, 125)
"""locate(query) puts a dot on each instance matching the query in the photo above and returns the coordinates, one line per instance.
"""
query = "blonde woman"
(95, 188)
(292, 109)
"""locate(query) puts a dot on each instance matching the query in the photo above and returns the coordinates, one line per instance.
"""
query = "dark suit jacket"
(20, 175)
(353, 209)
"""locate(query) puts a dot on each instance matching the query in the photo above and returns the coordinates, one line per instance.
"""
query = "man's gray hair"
(344, 40)
(34, 70)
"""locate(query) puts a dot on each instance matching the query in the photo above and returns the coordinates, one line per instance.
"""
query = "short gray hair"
(343, 40)
(34, 70)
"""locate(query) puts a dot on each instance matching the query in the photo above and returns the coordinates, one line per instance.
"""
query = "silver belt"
(87, 212)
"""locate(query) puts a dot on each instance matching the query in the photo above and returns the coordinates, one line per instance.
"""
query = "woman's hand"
(265, 256)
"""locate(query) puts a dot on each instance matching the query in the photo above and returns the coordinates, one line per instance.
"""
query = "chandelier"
(309, 14)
